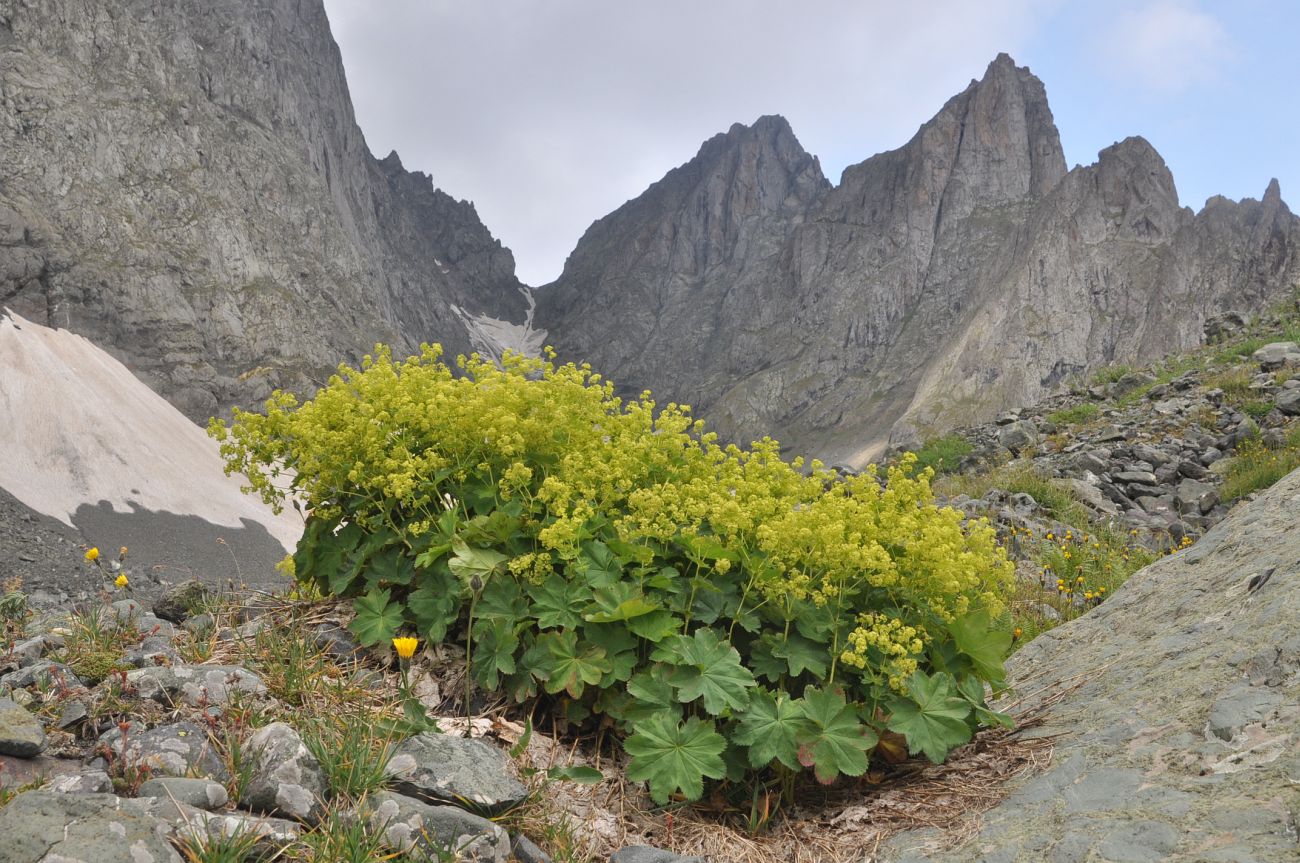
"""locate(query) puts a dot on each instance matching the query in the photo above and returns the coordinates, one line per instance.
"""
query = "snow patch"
(76, 427)
(491, 337)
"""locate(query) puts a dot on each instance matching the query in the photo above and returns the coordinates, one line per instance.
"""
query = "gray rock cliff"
(940, 283)
(185, 183)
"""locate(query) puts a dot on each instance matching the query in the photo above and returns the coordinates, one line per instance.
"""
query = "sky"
(549, 115)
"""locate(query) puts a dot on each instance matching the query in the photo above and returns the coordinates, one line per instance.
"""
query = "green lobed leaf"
(470, 564)
(985, 645)
(673, 756)
(495, 642)
(971, 688)
(566, 665)
(377, 619)
(706, 667)
(556, 600)
(931, 716)
(833, 739)
(435, 603)
(769, 727)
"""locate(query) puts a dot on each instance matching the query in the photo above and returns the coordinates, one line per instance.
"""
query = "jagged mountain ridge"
(185, 183)
(961, 274)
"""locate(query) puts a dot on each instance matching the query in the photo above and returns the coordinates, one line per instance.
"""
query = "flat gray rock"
(649, 854)
(21, 733)
(89, 782)
(43, 672)
(199, 793)
(195, 685)
(440, 830)
(45, 827)
(178, 749)
(438, 768)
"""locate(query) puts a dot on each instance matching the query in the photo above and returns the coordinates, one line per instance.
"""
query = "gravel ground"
(47, 555)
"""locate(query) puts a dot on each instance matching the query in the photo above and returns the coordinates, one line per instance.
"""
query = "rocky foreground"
(116, 744)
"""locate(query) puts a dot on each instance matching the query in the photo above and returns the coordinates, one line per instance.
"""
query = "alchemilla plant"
(737, 617)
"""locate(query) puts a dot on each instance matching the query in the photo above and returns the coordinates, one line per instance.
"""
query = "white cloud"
(550, 115)
(1167, 47)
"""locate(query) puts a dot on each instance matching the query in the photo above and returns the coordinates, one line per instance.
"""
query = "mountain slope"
(937, 284)
(186, 184)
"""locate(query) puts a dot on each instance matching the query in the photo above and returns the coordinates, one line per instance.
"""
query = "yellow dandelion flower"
(405, 647)
(121, 580)
(92, 555)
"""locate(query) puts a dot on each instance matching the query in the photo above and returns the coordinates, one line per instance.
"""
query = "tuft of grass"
(943, 454)
(200, 846)
(1110, 374)
(1240, 349)
(353, 756)
(1079, 414)
(93, 649)
(1235, 383)
(341, 837)
(1256, 467)
(1051, 494)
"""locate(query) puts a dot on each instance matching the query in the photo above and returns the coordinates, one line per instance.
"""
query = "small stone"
(181, 601)
(199, 793)
(21, 733)
(90, 782)
(73, 712)
(526, 850)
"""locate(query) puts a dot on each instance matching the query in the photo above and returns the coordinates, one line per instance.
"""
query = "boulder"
(1018, 436)
(1195, 497)
(181, 601)
(1275, 355)
(177, 749)
(1288, 401)
(287, 779)
(46, 827)
(438, 768)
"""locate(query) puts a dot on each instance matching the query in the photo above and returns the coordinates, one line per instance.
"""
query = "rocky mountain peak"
(964, 273)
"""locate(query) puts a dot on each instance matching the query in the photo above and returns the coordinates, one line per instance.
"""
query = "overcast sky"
(548, 114)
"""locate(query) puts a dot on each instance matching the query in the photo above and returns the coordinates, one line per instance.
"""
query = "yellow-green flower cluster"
(397, 444)
(895, 646)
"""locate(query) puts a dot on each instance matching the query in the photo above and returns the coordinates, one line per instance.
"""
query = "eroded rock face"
(408, 823)
(185, 183)
(938, 284)
(1183, 740)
